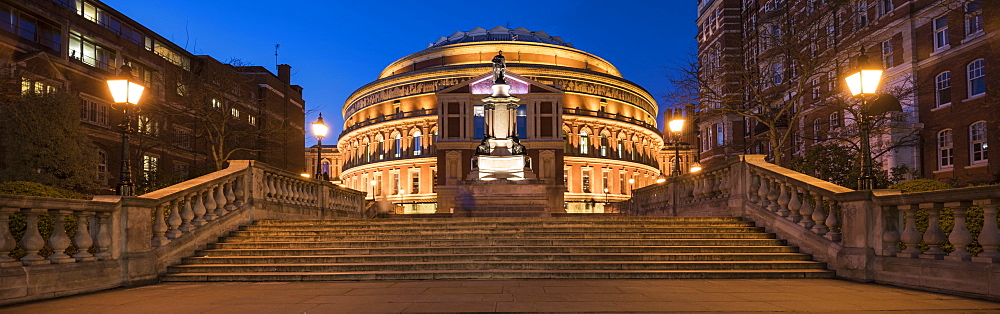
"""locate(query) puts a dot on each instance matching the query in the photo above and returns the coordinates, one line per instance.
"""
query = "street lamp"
(319, 131)
(373, 183)
(125, 92)
(695, 167)
(606, 196)
(863, 83)
(676, 126)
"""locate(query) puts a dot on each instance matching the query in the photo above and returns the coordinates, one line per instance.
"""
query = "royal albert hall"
(410, 135)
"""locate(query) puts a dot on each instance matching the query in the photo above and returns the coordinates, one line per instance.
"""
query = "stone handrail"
(122, 241)
(859, 234)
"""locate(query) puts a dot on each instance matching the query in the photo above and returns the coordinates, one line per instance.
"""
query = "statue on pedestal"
(499, 67)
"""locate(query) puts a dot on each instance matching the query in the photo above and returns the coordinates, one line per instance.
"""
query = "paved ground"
(510, 296)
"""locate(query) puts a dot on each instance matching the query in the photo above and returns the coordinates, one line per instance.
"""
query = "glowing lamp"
(866, 78)
(662, 178)
(123, 89)
(319, 128)
(305, 175)
(676, 125)
(695, 167)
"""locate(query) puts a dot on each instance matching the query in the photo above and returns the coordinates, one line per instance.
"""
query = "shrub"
(37, 189)
(17, 220)
(921, 185)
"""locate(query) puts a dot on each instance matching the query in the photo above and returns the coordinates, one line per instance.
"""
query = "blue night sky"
(336, 46)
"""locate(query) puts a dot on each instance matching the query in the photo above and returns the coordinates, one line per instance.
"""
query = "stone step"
(373, 258)
(497, 265)
(257, 251)
(503, 275)
(452, 221)
(251, 236)
(579, 228)
(305, 243)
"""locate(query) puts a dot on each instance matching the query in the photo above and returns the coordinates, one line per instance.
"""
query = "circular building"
(409, 136)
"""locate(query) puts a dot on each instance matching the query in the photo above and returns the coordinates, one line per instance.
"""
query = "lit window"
(90, 53)
(397, 144)
(584, 142)
(216, 104)
(942, 85)
(973, 17)
(720, 134)
(977, 78)
(235, 112)
(977, 141)
(941, 32)
(149, 166)
(604, 145)
(396, 183)
(418, 148)
(252, 120)
(586, 180)
(946, 152)
(478, 122)
(415, 181)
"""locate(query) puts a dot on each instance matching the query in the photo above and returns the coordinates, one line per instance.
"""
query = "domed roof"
(499, 33)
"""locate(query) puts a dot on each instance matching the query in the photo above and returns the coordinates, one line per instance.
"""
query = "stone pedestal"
(502, 198)
(488, 168)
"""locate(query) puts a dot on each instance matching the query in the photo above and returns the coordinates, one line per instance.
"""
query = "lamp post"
(863, 83)
(606, 201)
(373, 183)
(319, 131)
(631, 185)
(126, 93)
(676, 126)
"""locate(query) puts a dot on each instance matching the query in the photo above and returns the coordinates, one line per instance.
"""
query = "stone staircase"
(570, 247)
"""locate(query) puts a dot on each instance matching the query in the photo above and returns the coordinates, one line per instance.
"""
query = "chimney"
(285, 73)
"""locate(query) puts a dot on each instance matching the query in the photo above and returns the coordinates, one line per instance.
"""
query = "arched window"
(326, 167)
(978, 147)
(621, 147)
(604, 145)
(418, 148)
(397, 144)
(946, 150)
(977, 78)
(584, 142)
(942, 88)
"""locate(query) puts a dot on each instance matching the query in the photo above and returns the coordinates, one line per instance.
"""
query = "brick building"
(935, 55)
(75, 45)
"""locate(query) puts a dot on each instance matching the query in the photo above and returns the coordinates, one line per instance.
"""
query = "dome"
(499, 33)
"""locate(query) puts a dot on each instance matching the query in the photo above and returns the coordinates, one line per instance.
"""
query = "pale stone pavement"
(736, 295)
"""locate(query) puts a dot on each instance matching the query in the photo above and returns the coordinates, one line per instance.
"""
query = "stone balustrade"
(121, 241)
(920, 240)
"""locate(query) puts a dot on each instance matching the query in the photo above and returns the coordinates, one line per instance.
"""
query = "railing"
(389, 117)
(594, 152)
(354, 161)
(921, 240)
(612, 116)
(114, 241)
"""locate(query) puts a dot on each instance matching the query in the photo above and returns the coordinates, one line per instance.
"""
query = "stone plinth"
(501, 168)
(502, 198)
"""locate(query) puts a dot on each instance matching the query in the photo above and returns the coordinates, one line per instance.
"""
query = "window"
(396, 188)
(478, 122)
(977, 141)
(606, 180)
(834, 120)
(93, 111)
(147, 126)
(604, 145)
(235, 112)
(397, 145)
(941, 32)
(973, 17)
(521, 121)
(586, 180)
(621, 182)
(418, 148)
(90, 53)
(252, 120)
(102, 166)
(942, 85)
(415, 181)
(977, 78)
(818, 129)
(720, 134)
(777, 73)
(621, 148)
(861, 8)
(816, 90)
(584, 142)
(216, 104)
(378, 183)
(149, 166)
(887, 60)
(884, 7)
(946, 152)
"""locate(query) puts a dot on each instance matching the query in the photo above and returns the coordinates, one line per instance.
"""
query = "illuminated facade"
(409, 136)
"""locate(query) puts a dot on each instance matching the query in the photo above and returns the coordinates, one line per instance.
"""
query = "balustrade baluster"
(762, 192)
(890, 227)
(210, 204)
(819, 216)
(783, 199)
(59, 241)
(772, 196)
(175, 220)
(230, 197)
(724, 182)
(159, 226)
(753, 187)
(187, 215)
(83, 240)
(933, 237)
(220, 200)
(239, 192)
(199, 210)
(103, 236)
(989, 238)
(271, 191)
(960, 238)
(833, 222)
(7, 242)
(794, 204)
(911, 236)
(32, 242)
(806, 211)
